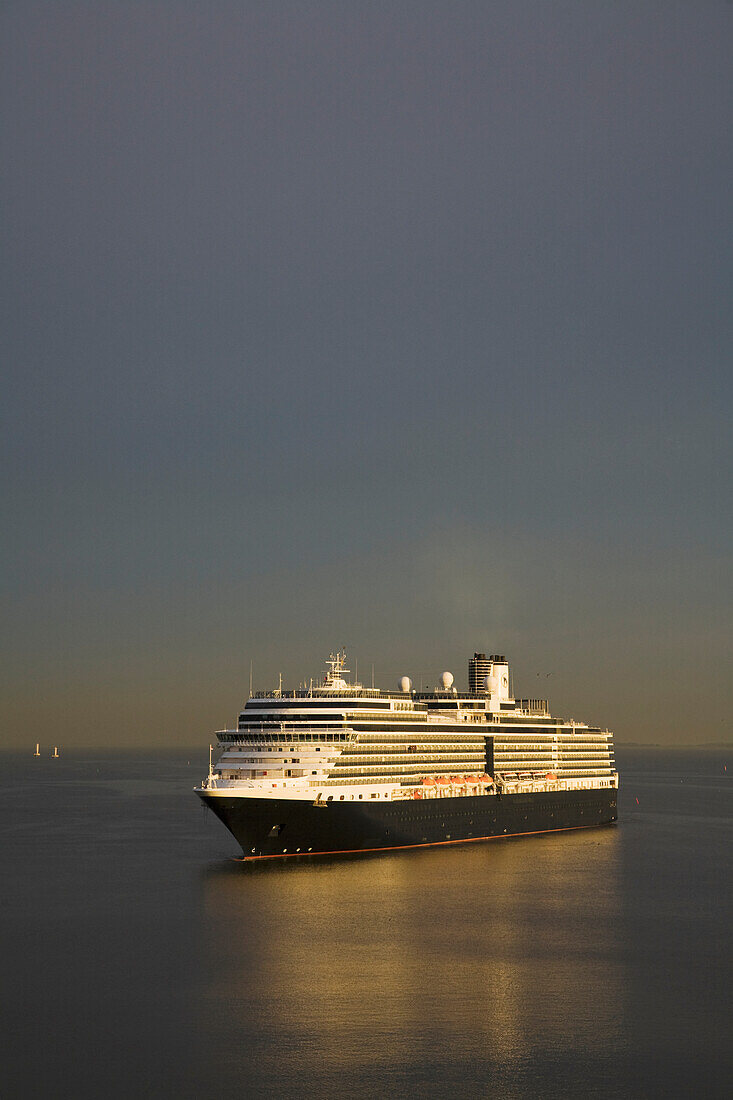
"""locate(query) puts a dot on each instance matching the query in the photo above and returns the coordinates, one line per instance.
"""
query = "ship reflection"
(478, 960)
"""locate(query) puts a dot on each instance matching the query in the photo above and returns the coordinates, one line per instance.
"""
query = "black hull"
(271, 828)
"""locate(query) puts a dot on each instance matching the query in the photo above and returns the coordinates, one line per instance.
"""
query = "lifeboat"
(443, 779)
(428, 781)
(417, 794)
(551, 777)
(485, 779)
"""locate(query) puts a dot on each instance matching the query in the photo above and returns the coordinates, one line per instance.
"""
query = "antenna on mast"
(333, 679)
(250, 679)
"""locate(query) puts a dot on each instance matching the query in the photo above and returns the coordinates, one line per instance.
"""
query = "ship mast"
(333, 679)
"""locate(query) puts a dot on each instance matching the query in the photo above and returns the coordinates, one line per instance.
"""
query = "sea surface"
(139, 960)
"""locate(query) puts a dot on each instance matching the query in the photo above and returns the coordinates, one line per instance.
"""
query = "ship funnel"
(479, 668)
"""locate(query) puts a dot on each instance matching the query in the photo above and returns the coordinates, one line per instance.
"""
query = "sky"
(404, 327)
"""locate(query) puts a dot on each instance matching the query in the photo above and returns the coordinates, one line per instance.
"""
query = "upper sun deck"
(334, 692)
(317, 699)
(346, 695)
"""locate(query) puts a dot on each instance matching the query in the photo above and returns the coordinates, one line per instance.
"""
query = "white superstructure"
(342, 741)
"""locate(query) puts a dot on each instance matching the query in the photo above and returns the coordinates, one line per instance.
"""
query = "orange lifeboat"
(485, 779)
(442, 779)
(417, 794)
(428, 781)
(551, 777)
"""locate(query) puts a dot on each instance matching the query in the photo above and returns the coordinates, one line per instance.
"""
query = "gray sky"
(405, 326)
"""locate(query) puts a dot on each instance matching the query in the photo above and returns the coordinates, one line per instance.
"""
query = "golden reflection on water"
(483, 954)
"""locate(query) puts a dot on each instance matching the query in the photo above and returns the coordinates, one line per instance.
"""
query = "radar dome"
(447, 681)
(405, 683)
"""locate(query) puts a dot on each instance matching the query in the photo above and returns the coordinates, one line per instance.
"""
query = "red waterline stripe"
(429, 844)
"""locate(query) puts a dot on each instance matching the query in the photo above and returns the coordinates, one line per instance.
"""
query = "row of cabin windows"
(418, 729)
(595, 750)
(265, 748)
(256, 727)
(431, 748)
(550, 726)
(425, 767)
(320, 719)
(342, 797)
(364, 741)
(290, 716)
(420, 726)
(389, 774)
(457, 737)
(562, 732)
(260, 703)
(267, 760)
(392, 718)
(445, 761)
(262, 735)
(314, 717)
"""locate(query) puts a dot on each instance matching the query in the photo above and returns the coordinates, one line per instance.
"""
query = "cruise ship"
(336, 767)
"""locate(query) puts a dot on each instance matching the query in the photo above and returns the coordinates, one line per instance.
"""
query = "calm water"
(139, 960)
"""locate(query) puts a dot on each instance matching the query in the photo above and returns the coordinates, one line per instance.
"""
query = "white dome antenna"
(447, 681)
(405, 684)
